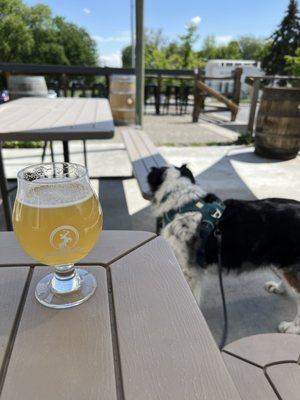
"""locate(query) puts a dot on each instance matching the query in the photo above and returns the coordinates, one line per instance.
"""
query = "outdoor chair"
(185, 93)
(172, 91)
(151, 94)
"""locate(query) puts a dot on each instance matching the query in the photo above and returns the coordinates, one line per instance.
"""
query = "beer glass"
(57, 219)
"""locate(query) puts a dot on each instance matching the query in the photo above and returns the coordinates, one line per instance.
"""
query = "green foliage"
(21, 144)
(252, 48)
(34, 35)
(159, 53)
(244, 48)
(293, 63)
(284, 42)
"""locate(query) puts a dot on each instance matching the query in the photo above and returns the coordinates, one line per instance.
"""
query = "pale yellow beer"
(57, 225)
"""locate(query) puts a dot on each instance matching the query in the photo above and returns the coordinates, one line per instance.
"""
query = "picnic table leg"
(66, 151)
(5, 194)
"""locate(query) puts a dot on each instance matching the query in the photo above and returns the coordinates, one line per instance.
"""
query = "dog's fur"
(255, 234)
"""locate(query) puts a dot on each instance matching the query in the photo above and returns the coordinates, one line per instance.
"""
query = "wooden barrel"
(122, 99)
(278, 123)
(26, 86)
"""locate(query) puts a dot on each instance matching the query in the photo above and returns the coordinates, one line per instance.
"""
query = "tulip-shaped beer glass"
(57, 220)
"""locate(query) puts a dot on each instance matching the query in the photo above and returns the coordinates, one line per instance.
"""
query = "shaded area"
(113, 201)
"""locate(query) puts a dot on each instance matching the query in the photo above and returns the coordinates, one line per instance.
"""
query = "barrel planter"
(26, 86)
(122, 99)
(278, 123)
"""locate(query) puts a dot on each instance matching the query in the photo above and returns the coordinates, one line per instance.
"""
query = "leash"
(218, 236)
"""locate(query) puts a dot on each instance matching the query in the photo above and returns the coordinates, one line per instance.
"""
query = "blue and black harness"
(211, 214)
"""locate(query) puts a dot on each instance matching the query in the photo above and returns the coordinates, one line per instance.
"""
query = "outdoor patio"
(227, 170)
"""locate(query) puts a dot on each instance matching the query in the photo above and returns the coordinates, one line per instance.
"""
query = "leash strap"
(218, 236)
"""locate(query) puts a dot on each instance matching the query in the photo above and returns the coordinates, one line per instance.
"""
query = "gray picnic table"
(34, 119)
(141, 336)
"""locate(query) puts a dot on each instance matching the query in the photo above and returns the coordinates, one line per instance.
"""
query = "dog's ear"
(156, 178)
(185, 171)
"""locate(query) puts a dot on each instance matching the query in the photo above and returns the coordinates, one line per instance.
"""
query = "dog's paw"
(289, 327)
(274, 287)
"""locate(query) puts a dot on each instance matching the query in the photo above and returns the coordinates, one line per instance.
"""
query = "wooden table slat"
(63, 354)
(266, 348)
(12, 283)
(31, 118)
(286, 379)
(111, 245)
(167, 351)
(250, 380)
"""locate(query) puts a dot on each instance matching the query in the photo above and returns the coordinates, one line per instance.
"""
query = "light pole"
(139, 60)
(132, 32)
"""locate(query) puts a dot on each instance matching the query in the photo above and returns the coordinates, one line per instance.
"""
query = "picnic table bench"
(143, 156)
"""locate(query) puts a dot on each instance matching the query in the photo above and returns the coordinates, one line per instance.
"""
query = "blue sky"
(108, 21)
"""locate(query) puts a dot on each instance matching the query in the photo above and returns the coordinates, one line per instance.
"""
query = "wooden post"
(139, 61)
(198, 98)
(107, 84)
(254, 98)
(6, 77)
(157, 95)
(65, 84)
(237, 85)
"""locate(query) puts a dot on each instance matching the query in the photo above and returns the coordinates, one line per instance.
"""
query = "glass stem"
(65, 279)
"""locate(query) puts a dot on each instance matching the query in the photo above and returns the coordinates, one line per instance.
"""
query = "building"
(219, 68)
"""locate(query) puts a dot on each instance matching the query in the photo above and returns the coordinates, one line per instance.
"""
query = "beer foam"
(50, 193)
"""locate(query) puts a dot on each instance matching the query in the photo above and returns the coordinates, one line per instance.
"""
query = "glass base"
(53, 292)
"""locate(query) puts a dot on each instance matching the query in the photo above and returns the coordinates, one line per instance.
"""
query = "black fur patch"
(256, 233)
(156, 176)
(185, 171)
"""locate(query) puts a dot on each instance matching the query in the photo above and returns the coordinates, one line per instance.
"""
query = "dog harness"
(211, 214)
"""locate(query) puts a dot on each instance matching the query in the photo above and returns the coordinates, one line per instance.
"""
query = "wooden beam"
(254, 98)
(230, 104)
(237, 74)
(139, 61)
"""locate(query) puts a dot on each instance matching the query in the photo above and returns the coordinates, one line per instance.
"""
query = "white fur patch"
(181, 230)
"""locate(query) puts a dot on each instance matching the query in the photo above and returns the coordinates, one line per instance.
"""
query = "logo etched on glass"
(64, 237)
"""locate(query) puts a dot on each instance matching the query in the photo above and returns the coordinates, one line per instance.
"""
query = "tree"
(293, 63)
(252, 48)
(231, 51)
(159, 53)
(245, 48)
(16, 41)
(190, 59)
(209, 48)
(33, 35)
(284, 41)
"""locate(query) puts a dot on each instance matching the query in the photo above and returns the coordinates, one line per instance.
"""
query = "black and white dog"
(255, 234)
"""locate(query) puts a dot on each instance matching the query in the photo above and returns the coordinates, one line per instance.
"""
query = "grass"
(241, 140)
(23, 144)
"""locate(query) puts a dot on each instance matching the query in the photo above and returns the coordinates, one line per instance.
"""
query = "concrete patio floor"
(229, 171)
